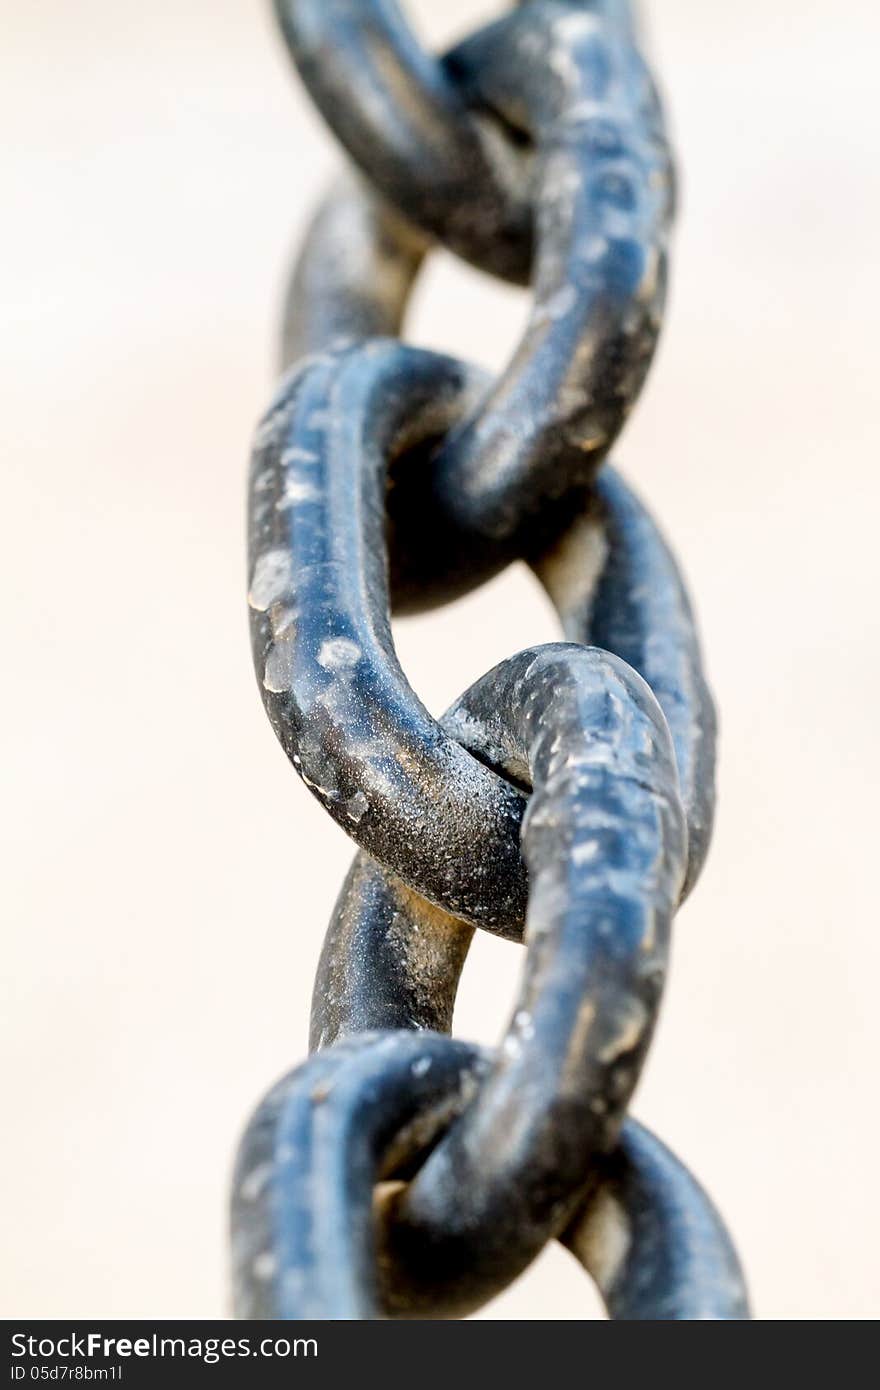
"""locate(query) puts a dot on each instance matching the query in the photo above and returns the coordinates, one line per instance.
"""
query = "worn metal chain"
(566, 799)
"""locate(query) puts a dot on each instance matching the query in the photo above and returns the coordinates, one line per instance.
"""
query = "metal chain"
(566, 799)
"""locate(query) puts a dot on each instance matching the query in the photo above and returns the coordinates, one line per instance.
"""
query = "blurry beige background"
(168, 880)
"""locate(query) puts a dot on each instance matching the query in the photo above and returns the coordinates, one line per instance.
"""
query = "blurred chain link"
(566, 799)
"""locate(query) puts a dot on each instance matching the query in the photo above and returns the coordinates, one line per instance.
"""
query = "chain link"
(566, 799)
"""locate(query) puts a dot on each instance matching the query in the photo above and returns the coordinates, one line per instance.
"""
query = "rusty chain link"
(566, 799)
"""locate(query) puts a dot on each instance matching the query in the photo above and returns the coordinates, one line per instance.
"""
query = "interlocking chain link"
(566, 799)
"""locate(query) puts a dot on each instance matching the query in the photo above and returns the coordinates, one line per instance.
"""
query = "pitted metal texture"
(566, 800)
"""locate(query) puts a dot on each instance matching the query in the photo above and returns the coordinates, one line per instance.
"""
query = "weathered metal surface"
(302, 1219)
(330, 679)
(341, 705)
(637, 606)
(653, 1240)
(572, 82)
(399, 114)
(364, 1113)
(443, 153)
(605, 844)
(567, 798)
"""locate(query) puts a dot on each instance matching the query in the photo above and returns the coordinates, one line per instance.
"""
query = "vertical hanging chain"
(566, 799)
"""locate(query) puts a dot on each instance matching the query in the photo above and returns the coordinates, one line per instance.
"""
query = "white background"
(168, 879)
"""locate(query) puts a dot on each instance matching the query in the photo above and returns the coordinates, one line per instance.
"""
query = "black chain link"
(566, 800)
